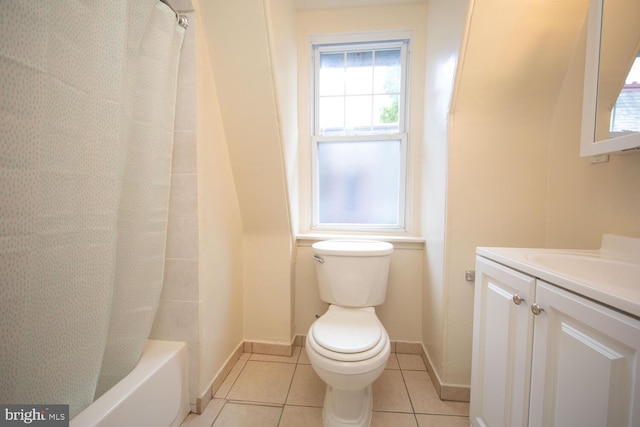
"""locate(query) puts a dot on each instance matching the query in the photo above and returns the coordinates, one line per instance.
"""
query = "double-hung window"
(359, 141)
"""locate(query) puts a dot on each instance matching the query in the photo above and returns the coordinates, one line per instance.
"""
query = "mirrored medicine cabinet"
(611, 104)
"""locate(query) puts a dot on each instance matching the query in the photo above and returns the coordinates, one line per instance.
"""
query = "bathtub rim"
(156, 355)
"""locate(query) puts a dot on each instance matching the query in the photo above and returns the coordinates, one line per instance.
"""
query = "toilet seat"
(348, 334)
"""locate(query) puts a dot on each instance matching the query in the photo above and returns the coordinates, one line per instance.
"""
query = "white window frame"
(359, 42)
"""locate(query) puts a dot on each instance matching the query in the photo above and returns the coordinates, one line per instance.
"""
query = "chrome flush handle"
(319, 259)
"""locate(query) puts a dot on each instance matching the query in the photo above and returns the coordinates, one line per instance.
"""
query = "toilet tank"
(352, 273)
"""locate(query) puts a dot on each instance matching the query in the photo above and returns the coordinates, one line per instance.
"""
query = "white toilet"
(348, 347)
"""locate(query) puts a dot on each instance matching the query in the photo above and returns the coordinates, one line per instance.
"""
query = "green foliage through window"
(390, 114)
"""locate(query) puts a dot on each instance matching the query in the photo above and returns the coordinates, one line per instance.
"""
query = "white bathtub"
(155, 393)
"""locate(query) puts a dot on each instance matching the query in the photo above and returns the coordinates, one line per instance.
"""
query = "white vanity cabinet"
(586, 363)
(502, 344)
(543, 356)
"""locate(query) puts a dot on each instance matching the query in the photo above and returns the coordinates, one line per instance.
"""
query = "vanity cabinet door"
(586, 363)
(502, 339)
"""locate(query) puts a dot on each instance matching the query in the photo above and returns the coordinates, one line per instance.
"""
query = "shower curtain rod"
(182, 20)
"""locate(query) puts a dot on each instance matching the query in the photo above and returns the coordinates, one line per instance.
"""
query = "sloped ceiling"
(517, 54)
(515, 60)
(237, 39)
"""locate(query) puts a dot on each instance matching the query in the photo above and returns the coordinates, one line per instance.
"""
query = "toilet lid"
(347, 330)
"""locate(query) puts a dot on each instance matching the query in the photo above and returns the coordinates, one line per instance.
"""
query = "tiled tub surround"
(271, 390)
(177, 315)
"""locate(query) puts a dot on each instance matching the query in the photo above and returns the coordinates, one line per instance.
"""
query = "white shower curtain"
(87, 100)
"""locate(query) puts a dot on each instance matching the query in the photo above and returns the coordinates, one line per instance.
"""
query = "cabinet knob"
(536, 309)
(517, 299)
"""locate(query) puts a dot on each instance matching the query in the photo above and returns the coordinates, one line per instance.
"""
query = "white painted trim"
(588, 145)
(361, 37)
(400, 39)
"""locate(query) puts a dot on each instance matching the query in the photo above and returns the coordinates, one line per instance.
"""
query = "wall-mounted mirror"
(611, 105)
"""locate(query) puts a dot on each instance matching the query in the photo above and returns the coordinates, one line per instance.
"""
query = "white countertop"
(610, 275)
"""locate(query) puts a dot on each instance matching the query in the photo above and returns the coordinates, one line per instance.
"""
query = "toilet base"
(347, 408)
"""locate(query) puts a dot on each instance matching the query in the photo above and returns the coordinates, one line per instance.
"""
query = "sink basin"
(609, 275)
(591, 268)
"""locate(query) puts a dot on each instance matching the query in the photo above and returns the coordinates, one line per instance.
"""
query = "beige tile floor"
(277, 391)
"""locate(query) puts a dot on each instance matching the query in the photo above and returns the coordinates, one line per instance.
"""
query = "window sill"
(400, 242)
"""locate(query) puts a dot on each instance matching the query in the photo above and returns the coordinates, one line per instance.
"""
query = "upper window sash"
(375, 127)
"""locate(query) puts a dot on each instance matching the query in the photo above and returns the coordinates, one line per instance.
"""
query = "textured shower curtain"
(87, 102)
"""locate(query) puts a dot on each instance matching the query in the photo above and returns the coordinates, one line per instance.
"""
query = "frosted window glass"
(359, 182)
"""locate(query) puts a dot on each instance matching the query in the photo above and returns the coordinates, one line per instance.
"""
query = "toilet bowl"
(348, 346)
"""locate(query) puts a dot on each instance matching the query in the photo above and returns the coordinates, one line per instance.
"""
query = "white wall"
(240, 55)
(446, 22)
(514, 66)
(587, 200)
(281, 16)
(220, 229)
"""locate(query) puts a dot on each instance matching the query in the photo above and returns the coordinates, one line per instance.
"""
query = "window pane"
(360, 175)
(358, 110)
(385, 113)
(359, 182)
(369, 82)
(625, 114)
(359, 73)
(331, 115)
(332, 74)
(387, 71)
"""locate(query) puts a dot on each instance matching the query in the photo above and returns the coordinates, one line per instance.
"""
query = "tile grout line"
(219, 412)
(255, 403)
(286, 398)
(233, 383)
(296, 362)
(224, 398)
(404, 382)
